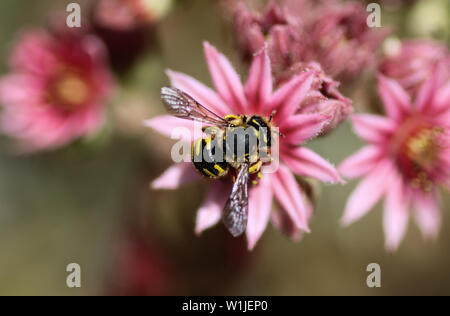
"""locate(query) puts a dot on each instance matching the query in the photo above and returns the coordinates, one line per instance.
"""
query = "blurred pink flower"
(341, 40)
(411, 62)
(407, 159)
(129, 14)
(56, 91)
(255, 97)
(332, 33)
(141, 267)
(126, 27)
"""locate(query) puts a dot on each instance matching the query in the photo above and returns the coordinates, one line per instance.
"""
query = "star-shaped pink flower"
(407, 158)
(293, 210)
(57, 89)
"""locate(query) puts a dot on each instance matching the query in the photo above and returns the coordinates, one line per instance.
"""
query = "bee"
(232, 144)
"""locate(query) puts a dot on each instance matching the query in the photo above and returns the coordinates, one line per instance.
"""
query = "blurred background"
(90, 202)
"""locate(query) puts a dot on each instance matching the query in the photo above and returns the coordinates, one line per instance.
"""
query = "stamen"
(422, 150)
(70, 91)
(423, 147)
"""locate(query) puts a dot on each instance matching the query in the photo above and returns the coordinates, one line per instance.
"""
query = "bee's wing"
(235, 211)
(182, 105)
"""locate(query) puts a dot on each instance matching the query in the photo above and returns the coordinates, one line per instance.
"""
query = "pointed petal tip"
(161, 184)
(208, 47)
(169, 72)
(200, 228)
(156, 185)
(391, 247)
(345, 221)
(209, 50)
(304, 227)
(198, 231)
(147, 123)
(251, 244)
(262, 51)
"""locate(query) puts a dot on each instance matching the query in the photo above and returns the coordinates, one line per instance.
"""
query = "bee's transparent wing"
(182, 105)
(235, 211)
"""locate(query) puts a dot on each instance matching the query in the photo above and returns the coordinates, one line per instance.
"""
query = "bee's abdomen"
(208, 158)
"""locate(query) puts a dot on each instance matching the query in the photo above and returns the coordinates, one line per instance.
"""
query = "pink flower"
(332, 33)
(56, 90)
(407, 158)
(286, 31)
(411, 62)
(324, 96)
(141, 267)
(341, 40)
(294, 210)
(127, 27)
(129, 14)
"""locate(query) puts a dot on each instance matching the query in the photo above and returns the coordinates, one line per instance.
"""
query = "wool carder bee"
(233, 145)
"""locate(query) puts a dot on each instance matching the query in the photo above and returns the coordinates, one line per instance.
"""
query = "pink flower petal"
(361, 162)
(428, 214)
(304, 162)
(396, 214)
(225, 79)
(31, 112)
(427, 92)
(300, 128)
(372, 128)
(38, 128)
(260, 205)
(288, 98)
(288, 194)
(20, 90)
(258, 88)
(444, 118)
(395, 99)
(41, 61)
(368, 192)
(442, 99)
(210, 212)
(201, 93)
(282, 222)
(177, 175)
(166, 125)
(87, 121)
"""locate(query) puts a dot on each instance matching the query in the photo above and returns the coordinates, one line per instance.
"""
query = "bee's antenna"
(272, 115)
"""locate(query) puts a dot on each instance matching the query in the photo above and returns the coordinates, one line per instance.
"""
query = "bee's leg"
(256, 167)
(258, 177)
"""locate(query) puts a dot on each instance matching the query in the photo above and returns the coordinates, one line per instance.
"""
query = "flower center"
(70, 91)
(419, 156)
(423, 147)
